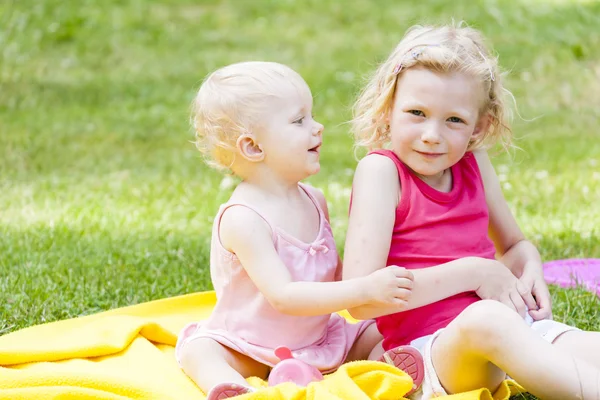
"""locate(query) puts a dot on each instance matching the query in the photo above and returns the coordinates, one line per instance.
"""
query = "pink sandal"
(409, 360)
(227, 390)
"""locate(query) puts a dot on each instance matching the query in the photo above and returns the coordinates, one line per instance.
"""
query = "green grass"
(105, 203)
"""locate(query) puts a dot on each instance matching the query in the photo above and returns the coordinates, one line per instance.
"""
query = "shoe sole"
(409, 360)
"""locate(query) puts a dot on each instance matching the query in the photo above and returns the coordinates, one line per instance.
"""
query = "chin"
(424, 171)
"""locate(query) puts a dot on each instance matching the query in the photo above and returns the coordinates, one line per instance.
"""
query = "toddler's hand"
(500, 284)
(390, 286)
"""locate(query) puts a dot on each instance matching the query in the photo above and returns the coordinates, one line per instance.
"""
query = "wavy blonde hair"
(231, 102)
(443, 49)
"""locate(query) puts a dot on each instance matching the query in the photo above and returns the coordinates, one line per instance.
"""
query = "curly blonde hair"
(231, 102)
(444, 49)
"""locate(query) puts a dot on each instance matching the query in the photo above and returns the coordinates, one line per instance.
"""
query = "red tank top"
(432, 228)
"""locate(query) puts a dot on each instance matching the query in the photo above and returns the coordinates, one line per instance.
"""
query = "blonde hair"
(442, 49)
(231, 102)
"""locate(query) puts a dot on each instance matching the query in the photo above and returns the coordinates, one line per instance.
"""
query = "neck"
(437, 181)
(268, 182)
(277, 188)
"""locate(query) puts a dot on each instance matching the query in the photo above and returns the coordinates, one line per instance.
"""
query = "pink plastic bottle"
(292, 370)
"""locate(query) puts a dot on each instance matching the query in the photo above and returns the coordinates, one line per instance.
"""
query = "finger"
(401, 304)
(525, 293)
(402, 294)
(542, 313)
(404, 283)
(544, 304)
(403, 273)
(527, 280)
(542, 296)
(505, 299)
(518, 303)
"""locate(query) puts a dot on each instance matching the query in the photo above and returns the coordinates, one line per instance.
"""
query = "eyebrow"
(299, 112)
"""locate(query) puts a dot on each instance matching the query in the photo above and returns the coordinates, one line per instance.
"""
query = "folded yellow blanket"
(128, 353)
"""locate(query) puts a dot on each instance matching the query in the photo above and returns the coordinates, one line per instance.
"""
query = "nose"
(318, 129)
(431, 134)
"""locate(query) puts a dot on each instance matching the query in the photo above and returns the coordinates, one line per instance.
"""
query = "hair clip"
(415, 52)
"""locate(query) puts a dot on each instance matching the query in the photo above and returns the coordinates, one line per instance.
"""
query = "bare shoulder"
(488, 174)
(376, 171)
(376, 165)
(481, 155)
(483, 160)
(241, 224)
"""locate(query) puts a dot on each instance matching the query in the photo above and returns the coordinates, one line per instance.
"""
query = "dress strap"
(226, 206)
(309, 190)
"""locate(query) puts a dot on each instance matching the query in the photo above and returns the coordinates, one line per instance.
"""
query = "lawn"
(104, 202)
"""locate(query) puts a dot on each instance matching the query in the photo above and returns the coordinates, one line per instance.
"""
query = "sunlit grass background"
(104, 202)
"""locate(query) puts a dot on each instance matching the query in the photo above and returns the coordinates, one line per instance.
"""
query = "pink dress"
(243, 319)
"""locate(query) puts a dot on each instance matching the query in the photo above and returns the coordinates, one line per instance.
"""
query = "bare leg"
(583, 345)
(364, 344)
(209, 363)
(377, 351)
(488, 338)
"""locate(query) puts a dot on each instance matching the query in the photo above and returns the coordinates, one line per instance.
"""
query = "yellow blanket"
(127, 353)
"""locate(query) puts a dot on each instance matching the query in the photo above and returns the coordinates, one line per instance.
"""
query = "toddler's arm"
(247, 235)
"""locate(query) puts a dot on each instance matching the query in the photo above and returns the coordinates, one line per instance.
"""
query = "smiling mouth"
(427, 154)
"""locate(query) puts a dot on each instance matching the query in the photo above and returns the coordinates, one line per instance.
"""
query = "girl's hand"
(390, 286)
(533, 279)
(498, 283)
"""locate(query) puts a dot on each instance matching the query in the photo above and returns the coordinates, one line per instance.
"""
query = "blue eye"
(299, 121)
(456, 120)
(418, 113)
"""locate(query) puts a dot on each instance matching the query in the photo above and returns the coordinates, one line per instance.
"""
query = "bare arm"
(514, 249)
(433, 284)
(517, 253)
(376, 193)
(504, 230)
(247, 235)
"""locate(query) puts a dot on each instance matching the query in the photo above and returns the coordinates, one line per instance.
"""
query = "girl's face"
(434, 116)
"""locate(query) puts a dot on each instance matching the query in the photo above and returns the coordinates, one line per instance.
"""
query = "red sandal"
(227, 390)
(409, 360)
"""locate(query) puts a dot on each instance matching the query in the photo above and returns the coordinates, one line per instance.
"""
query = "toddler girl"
(273, 261)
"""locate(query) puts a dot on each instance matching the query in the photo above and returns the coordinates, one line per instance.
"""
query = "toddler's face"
(291, 138)
(433, 118)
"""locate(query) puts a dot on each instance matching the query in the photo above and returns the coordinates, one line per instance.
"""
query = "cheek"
(459, 140)
(404, 130)
(399, 120)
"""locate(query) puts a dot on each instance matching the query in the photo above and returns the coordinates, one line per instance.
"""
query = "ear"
(482, 126)
(384, 121)
(387, 115)
(249, 148)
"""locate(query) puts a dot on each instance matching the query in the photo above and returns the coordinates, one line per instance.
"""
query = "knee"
(482, 324)
(190, 355)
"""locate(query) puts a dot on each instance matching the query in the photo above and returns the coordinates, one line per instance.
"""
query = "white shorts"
(431, 386)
